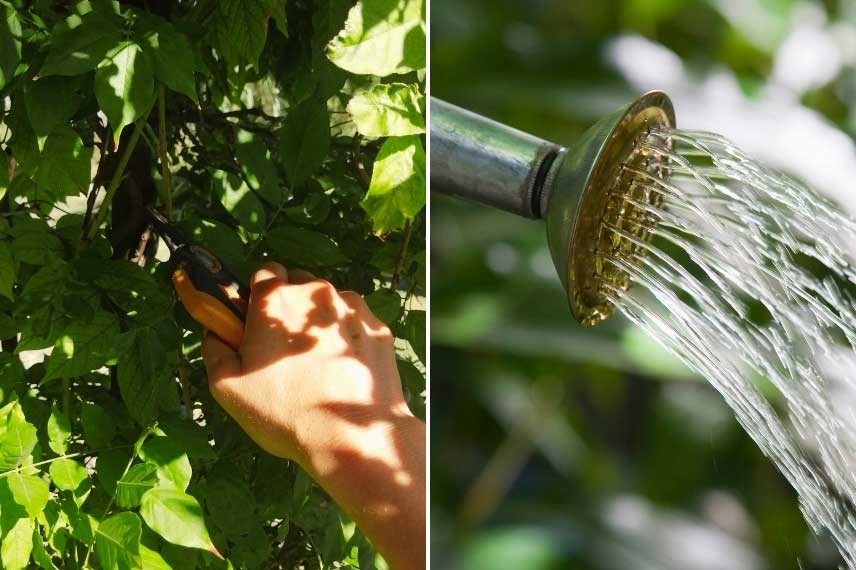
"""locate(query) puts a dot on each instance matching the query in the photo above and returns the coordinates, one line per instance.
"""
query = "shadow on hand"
(397, 477)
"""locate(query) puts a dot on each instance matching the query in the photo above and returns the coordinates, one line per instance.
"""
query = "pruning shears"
(213, 296)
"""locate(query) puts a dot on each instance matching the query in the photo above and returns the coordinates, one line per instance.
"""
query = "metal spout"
(579, 191)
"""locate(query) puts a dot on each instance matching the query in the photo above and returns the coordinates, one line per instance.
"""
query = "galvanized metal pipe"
(484, 161)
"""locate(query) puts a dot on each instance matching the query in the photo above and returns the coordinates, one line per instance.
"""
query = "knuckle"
(384, 334)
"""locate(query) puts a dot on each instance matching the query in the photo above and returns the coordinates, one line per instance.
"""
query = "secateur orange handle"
(213, 296)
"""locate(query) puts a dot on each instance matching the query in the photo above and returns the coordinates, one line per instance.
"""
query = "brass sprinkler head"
(592, 195)
(583, 202)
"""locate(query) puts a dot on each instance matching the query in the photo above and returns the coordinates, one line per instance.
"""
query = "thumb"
(221, 361)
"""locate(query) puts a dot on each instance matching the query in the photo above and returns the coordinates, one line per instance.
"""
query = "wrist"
(333, 440)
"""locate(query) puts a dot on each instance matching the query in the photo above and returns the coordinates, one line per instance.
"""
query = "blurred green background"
(558, 446)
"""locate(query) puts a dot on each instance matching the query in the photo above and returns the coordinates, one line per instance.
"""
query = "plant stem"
(109, 506)
(402, 253)
(117, 177)
(162, 154)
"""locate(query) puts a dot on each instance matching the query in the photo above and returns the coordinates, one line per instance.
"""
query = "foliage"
(256, 126)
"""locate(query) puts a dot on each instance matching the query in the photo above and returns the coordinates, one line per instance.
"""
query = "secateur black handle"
(211, 293)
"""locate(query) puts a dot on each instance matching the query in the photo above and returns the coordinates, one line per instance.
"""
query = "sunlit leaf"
(124, 85)
(79, 43)
(17, 544)
(239, 200)
(69, 475)
(381, 37)
(388, 110)
(10, 43)
(139, 479)
(177, 517)
(117, 542)
(173, 466)
(83, 346)
(59, 430)
(397, 191)
(17, 436)
(172, 55)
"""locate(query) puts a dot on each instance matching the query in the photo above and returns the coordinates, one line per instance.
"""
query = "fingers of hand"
(221, 361)
(268, 272)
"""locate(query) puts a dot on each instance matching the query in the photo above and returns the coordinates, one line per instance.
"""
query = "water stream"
(750, 279)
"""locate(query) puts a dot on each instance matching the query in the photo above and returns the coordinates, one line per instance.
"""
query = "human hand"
(314, 363)
(315, 381)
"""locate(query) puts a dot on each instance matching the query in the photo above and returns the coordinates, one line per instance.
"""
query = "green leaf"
(240, 29)
(177, 517)
(40, 554)
(117, 542)
(69, 475)
(17, 436)
(305, 248)
(65, 165)
(7, 270)
(98, 426)
(239, 200)
(10, 44)
(258, 168)
(139, 479)
(142, 375)
(80, 43)
(124, 86)
(34, 242)
(397, 190)
(17, 545)
(381, 37)
(385, 305)
(171, 460)
(304, 141)
(229, 500)
(388, 110)
(153, 560)
(83, 347)
(50, 102)
(59, 430)
(415, 327)
(173, 56)
(30, 492)
(277, 12)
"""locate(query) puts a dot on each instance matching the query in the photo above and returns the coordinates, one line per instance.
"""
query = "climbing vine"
(266, 130)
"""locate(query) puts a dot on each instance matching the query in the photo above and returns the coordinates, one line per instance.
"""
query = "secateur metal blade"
(205, 271)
